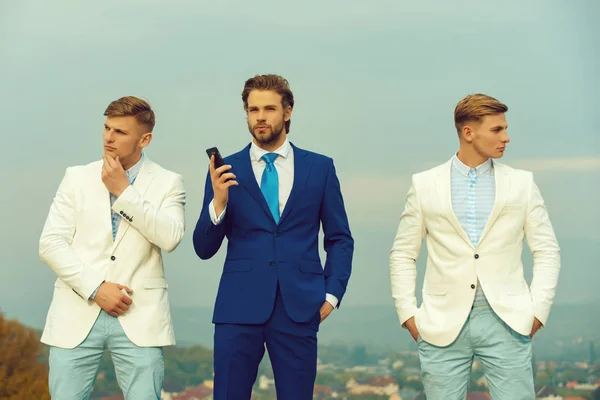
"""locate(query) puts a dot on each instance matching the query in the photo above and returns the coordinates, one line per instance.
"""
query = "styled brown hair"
(474, 107)
(272, 82)
(130, 106)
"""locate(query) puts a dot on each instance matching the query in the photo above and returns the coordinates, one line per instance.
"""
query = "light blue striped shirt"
(473, 195)
(115, 217)
(131, 175)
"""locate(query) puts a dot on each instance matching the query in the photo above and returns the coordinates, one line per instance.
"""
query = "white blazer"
(77, 244)
(454, 265)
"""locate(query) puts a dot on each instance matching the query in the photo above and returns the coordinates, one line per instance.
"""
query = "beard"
(270, 135)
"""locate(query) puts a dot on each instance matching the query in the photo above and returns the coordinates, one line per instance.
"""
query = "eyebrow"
(499, 127)
(116, 129)
(266, 106)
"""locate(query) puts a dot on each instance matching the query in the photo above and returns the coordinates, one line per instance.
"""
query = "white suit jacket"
(77, 244)
(454, 264)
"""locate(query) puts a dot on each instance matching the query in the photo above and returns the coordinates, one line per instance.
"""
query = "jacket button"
(472, 286)
(476, 256)
(271, 263)
(277, 234)
(113, 258)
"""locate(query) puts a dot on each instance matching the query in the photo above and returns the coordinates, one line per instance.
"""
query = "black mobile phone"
(213, 151)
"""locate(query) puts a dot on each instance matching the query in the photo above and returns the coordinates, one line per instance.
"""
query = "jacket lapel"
(100, 199)
(141, 185)
(502, 186)
(302, 168)
(443, 186)
(245, 177)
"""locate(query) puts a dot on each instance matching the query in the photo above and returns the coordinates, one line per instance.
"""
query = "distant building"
(586, 387)
(381, 385)
(546, 393)
(200, 392)
(321, 392)
(479, 396)
(482, 381)
(265, 383)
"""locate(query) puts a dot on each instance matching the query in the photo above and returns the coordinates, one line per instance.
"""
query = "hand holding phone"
(213, 151)
(221, 179)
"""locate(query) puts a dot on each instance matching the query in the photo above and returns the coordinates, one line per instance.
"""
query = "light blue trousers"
(504, 354)
(139, 370)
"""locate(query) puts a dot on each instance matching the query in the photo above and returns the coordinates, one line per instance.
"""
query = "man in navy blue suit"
(270, 200)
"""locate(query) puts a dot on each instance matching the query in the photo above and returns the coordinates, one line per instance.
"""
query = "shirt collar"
(133, 171)
(256, 152)
(464, 169)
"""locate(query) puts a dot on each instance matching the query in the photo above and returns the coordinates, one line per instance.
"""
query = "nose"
(109, 135)
(506, 138)
(262, 116)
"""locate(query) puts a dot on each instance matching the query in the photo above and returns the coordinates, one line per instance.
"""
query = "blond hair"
(130, 106)
(474, 107)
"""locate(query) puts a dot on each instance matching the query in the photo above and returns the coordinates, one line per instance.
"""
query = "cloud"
(558, 164)
(141, 19)
(374, 200)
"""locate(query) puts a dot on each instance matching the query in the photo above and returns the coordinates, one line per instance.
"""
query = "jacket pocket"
(237, 266)
(155, 283)
(311, 267)
(435, 289)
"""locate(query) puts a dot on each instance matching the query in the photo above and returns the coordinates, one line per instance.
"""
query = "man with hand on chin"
(270, 201)
(107, 226)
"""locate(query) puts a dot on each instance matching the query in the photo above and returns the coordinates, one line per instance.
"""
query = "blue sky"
(375, 86)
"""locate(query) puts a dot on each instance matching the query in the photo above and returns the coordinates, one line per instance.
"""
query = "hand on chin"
(113, 154)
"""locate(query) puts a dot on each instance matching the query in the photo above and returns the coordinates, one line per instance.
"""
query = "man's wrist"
(219, 206)
(331, 299)
(95, 292)
(120, 191)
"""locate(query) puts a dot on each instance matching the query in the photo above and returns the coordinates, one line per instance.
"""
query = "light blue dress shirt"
(115, 216)
(473, 195)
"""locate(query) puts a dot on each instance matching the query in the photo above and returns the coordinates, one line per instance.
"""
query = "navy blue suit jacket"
(262, 253)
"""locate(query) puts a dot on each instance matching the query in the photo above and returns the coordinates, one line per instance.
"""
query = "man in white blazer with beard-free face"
(103, 237)
(475, 213)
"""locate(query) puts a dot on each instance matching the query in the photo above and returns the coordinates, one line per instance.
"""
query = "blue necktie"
(269, 185)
